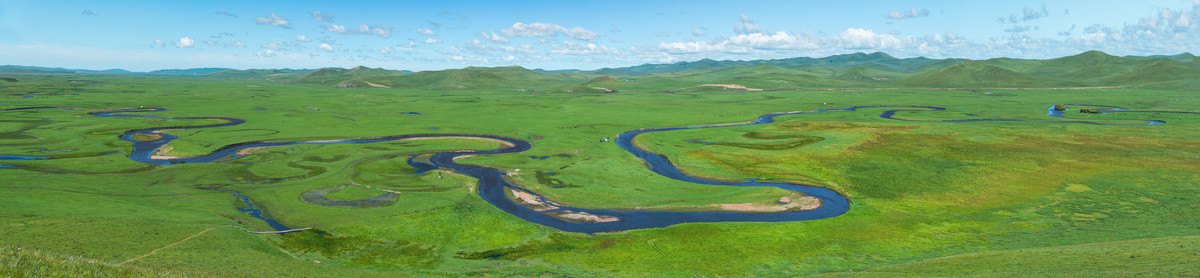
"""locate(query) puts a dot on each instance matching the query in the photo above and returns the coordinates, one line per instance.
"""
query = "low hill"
(26, 69)
(187, 72)
(1162, 69)
(878, 60)
(976, 74)
(506, 78)
(253, 73)
(337, 76)
(866, 73)
(602, 84)
(1085, 66)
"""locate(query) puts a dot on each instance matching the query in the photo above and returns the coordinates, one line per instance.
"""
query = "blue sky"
(426, 35)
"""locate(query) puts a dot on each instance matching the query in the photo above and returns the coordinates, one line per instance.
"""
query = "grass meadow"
(928, 198)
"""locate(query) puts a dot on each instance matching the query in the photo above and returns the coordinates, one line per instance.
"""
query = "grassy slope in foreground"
(1168, 256)
(17, 262)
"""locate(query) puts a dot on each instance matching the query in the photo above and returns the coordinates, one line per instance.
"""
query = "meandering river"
(493, 185)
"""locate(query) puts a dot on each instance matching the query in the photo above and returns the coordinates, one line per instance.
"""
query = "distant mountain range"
(859, 69)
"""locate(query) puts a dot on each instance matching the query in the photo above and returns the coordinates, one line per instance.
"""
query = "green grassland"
(928, 198)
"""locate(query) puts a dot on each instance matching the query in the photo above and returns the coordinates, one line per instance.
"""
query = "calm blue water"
(258, 213)
(421, 167)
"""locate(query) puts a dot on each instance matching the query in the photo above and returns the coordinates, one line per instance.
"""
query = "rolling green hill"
(866, 73)
(1091, 68)
(254, 73)
(505, 78)
(25, 69)
(187, 72)
(1162, 69)
(976, 74)
(336, 76)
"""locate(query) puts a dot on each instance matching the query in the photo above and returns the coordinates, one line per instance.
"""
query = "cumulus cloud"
(383, 31)
(493, 37)
(273, 20)
(573, 48)
(88, 12)
(237, 44)
(426, 32)
(1166, 31)
(302, 38)
(914, 12)
(320, 16)
(479, 47)
(385, 50)
(222, 35)
(226, 14)
(855, 38)
(281, 45)
(538, 29)
(745, 43)
(745, 25)
(1026, 14)
(185, 42)
(1020, 28)
(432, 40)
(159, 43)
(326, 47)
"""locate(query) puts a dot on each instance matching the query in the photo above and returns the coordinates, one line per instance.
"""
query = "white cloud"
(273, 20)
(1026, 14)
(493, 37)
(697, 32)
(383, 31)
(159, 43)
(185, 42)
(432, 40)
(411, 43)
(572, 48)
(538, 29)
(226, 14)
(386, 50)
(302, 38)
(898, 15)
(426, 32)
(131, 59)
(745, 25)
(484, 49)
(746, 43)
(855, 38)
(326, 47)
(281, 45)
(237, 44)
(319, 16)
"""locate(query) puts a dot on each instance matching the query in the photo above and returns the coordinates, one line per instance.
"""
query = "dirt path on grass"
(376, 85)
(169, 245)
